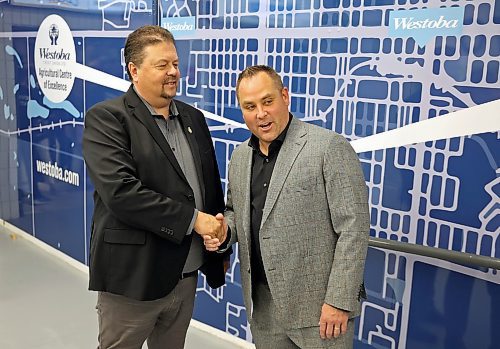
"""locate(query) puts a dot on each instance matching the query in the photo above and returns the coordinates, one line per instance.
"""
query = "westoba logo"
(411, 23)
(54, 53)
(47, 53)
(55, 58)
(179, 26)
(424, 24)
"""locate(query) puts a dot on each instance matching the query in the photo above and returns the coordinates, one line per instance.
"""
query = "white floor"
(45, 304)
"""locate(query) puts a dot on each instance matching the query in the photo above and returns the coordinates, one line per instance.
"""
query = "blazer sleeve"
(107, 153)
(348, 205)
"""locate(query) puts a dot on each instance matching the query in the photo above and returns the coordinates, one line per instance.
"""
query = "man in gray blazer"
(297, 204)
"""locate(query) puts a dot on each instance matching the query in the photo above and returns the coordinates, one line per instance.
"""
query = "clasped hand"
(213, 229)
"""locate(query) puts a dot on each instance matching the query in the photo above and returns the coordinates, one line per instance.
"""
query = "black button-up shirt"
(262, 170)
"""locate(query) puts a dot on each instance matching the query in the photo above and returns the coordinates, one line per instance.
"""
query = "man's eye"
(249, 107)
(268, 102)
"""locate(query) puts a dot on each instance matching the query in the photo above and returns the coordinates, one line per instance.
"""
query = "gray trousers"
(126, 323)
(268, 333)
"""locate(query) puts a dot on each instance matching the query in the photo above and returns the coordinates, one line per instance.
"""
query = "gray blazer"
(315, 224)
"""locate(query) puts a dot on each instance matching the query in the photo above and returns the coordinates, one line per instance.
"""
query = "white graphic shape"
(478, 119)
(100, 78)
(55, 56)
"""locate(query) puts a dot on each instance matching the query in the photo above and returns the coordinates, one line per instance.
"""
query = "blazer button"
(190, 197)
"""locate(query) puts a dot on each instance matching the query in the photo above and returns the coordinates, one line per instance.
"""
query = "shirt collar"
(276, 144)
(172, 110)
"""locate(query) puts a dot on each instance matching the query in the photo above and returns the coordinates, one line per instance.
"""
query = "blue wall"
(349, 70)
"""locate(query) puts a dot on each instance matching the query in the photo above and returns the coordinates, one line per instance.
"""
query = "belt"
(189, 274)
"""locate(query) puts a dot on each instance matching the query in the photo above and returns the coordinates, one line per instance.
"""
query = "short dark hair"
(256, 69)
(139, 39)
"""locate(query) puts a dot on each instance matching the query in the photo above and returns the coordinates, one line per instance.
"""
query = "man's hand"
(206, 224)
(332, 322)
(212, 243)
(223, 236)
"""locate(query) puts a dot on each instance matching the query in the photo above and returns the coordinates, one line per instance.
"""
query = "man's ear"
(285, 95)
(132, 68)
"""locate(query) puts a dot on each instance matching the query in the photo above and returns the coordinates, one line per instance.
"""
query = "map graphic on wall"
(413, 84)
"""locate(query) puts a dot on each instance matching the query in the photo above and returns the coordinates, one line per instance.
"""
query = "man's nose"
(172, 70)
(261, 112)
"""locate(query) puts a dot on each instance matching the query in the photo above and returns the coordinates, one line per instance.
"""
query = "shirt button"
(173, 149)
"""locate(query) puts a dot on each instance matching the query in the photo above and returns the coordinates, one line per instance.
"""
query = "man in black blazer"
(157, 189)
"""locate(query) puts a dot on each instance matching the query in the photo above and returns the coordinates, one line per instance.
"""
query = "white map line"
(76, 33)
(41, 127)
(104, 79)
(478, 119)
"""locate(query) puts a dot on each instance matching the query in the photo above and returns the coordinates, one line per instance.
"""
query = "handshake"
(213, 230)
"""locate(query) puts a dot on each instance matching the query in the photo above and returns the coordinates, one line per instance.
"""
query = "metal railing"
(434, 252)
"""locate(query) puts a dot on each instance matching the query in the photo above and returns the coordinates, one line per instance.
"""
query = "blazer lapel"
(245, 179)
(293, 144)
(187, 126)
(140, 112)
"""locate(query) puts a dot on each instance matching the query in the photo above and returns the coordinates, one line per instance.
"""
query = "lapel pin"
(189, 129)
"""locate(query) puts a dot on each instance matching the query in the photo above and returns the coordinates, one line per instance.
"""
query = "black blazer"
(143, 204)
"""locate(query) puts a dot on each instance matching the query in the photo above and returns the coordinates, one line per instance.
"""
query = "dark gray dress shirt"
(172, 129)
